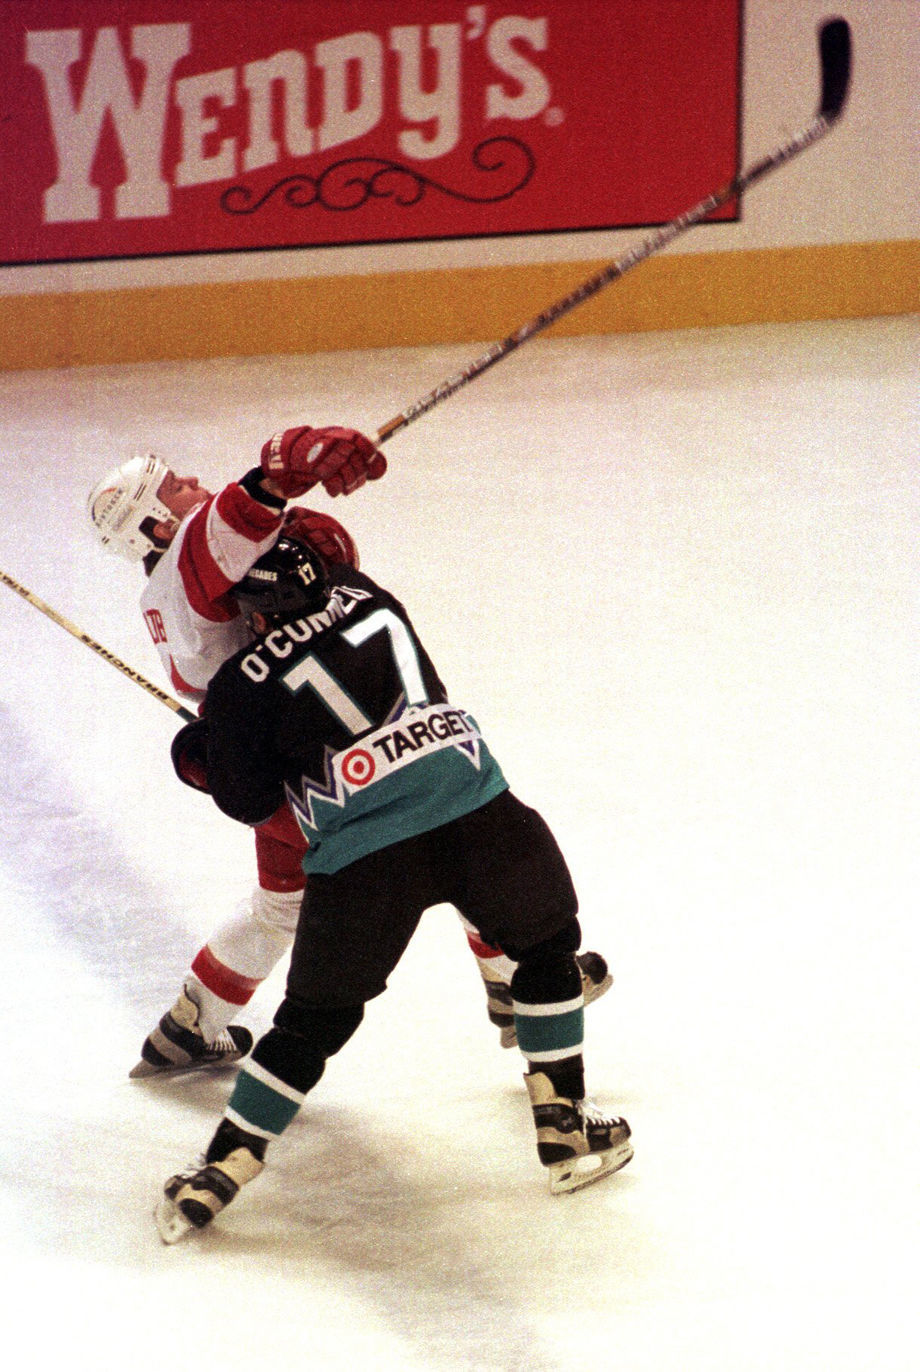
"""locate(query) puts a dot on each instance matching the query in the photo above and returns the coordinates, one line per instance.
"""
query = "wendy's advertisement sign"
(144, 128)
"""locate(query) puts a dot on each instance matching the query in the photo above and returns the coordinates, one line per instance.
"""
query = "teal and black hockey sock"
(549, 1017)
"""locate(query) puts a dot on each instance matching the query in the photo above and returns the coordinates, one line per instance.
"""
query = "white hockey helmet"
(119, 504)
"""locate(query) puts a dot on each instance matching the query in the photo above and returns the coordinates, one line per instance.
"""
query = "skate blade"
(600, 989)
(575, 1173)
(147, 1069)
(171, 1223)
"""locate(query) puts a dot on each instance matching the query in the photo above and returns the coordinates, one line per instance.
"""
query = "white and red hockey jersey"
(193, 621)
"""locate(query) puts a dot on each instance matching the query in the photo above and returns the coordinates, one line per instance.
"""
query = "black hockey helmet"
(287, 581)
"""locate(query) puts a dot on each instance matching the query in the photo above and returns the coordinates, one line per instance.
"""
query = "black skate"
(178, 1045)
(192, 1198)
(576, 1143)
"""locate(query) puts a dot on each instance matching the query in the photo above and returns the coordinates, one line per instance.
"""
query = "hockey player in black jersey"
(338, 708)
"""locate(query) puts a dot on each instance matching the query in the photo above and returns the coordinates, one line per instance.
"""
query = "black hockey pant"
(500, 866)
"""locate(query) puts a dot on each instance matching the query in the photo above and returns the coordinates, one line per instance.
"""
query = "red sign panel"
(149, 127)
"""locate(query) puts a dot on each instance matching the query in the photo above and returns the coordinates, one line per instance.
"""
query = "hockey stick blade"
(836, 59)
(835, 56)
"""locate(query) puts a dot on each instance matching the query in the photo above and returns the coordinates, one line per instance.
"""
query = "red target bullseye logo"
(358, 767)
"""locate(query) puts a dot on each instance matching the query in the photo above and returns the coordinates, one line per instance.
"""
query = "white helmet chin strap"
(121, 502)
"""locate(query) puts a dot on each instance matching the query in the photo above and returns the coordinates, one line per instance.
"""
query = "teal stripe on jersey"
(423, 795)
(544, 1036)
(255, 1105)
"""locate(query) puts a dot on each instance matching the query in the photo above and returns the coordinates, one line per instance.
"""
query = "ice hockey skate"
(595, 981)
(575, 1142)
(192, 1198)
(178, 1045)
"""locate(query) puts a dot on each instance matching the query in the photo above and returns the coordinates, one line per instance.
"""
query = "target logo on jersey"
(417, 734)
(427, 758)
(358, 767)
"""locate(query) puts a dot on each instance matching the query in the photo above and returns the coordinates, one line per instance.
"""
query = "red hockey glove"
(190, 755)
(340, 459)
(323, 533)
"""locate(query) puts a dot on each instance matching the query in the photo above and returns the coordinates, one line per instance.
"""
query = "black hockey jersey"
(343, 714)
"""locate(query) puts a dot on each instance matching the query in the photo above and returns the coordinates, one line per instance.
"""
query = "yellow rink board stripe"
(393, 309)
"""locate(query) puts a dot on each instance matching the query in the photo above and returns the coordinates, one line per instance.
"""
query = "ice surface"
(675, 577)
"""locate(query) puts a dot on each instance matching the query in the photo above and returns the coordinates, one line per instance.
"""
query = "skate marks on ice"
(85, 892)
(432, 1215)
(410, 1184)
(443, 1239)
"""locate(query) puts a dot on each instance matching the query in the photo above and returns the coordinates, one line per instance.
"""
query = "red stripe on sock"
(483, 950)
(223, 981)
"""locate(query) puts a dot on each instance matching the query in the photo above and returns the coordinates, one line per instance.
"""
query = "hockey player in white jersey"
(195, 546)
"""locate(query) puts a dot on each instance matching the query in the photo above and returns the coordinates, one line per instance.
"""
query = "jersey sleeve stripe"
(182, 686)
(239, 530)
(245, 516)
(221, 542)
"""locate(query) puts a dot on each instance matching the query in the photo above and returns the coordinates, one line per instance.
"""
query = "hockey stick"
(835, 53)
(26, 594)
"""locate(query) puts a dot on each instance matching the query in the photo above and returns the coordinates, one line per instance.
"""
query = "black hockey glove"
(189, 753)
